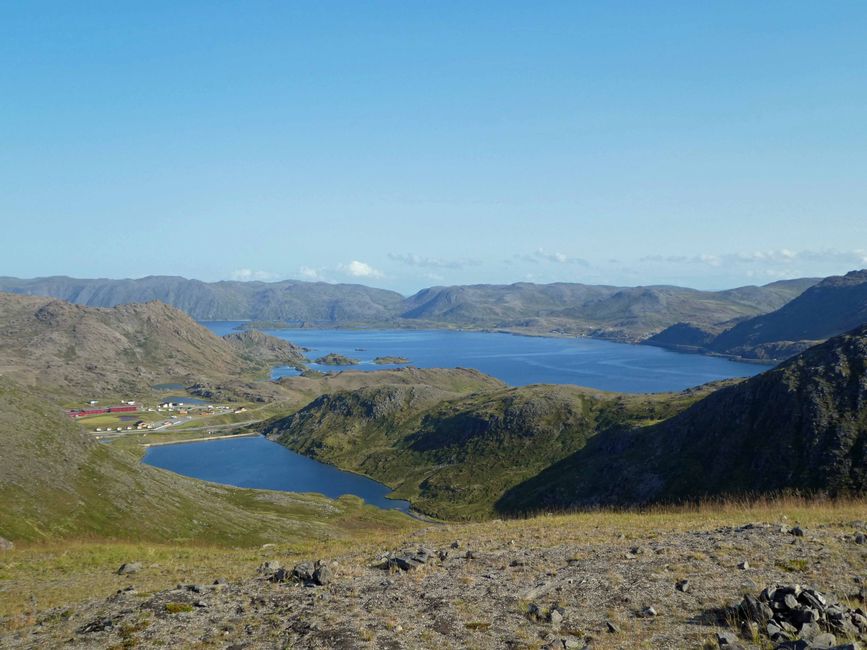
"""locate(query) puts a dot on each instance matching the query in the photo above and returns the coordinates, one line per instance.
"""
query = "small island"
(382, 361)
(334, 359)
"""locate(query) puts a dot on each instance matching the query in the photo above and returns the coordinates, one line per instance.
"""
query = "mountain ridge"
(619, 313)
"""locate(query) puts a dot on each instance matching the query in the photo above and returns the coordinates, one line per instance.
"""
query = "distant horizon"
(372, 285)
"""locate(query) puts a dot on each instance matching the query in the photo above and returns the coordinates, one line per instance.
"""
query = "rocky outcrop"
(266, 349)
(787, 614)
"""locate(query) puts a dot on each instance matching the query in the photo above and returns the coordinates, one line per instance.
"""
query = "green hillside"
(57, 483)
(453, 453)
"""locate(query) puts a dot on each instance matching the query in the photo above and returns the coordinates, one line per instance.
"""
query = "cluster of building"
(171, 409)
(138, 426)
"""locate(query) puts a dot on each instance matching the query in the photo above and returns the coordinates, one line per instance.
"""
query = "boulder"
(322, 574)
(824, 640)
(268, 568)
(555, 617)
(129, 567)
(304, 572)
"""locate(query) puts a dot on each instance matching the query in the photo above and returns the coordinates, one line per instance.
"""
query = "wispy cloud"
(357, 269)
(710, 260)
(246, 275)
(541, 255)
(775, 257)
(421, 261)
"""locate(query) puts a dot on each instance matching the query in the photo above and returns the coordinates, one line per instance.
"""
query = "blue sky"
(404, 144)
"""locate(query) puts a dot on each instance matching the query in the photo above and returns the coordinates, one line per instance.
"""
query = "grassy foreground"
(62, 573)
(38, 576)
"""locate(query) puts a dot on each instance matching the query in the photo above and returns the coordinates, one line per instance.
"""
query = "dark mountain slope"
(801, 426)
(835, 305)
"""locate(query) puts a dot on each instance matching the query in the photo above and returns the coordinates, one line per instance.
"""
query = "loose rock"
(129, 567)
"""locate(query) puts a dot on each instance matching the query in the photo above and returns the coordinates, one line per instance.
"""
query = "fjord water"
(517, 360)
(259, 463)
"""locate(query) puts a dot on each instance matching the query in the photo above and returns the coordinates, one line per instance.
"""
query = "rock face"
(800, 426)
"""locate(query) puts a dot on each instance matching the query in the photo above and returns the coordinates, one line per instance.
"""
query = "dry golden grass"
(36, 577)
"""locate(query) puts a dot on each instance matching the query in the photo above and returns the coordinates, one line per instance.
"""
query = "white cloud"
(247, 275)
(309, 273)
(359, 269)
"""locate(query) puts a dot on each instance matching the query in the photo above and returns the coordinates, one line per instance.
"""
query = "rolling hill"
(622, 313)
(79, 352)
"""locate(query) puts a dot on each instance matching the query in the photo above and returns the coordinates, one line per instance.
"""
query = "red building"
(80, 413)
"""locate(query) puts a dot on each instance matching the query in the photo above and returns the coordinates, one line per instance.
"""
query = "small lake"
(516, 360)
(256, 462)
